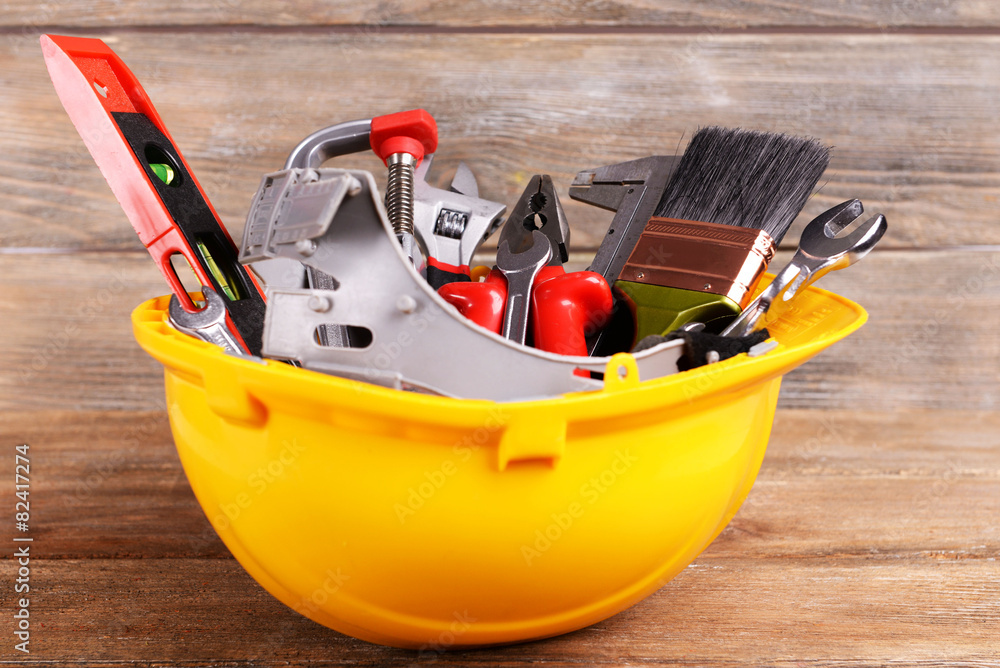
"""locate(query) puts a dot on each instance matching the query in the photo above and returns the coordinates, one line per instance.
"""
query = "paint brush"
(733, 196)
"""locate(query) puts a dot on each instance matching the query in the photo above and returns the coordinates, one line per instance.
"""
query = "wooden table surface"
(871, 536)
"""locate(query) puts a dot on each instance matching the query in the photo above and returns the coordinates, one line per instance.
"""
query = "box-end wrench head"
(822, 249)
(520, 270)
(208, 324)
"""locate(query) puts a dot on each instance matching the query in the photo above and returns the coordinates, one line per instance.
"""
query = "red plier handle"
(565, 307)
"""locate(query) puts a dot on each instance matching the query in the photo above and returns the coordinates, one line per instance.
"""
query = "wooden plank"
(734, 612)
(868, 538)
(619, 14)
(67, 339)
(910, 116)
(834, 485)
(930, 343)
(837, 558)
(920, 347)
(840, 483)
(108, 485)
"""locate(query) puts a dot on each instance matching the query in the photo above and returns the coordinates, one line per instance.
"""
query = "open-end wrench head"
(820, 252)
(837, 218)
(213, 313)
(823, 237)
(520, 270)
(533, 259)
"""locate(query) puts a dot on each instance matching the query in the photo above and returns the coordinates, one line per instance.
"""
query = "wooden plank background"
(871, 535)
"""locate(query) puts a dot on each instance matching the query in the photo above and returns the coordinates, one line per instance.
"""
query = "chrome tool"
(820, 251)
(520, 270)
(208, 324)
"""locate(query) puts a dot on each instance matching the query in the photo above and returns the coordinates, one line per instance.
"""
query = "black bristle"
(744, 178)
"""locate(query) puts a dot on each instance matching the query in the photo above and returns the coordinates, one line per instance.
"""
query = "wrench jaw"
(820, 251)
(866, 237)
(208, 324)
(877, 227)
(208, 315)
(823, 237)
(520, 270)
(833, 220)
(464, 181)
(852, 248)
(451, 224)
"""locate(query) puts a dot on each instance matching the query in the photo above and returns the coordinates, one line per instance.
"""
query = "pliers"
(538, 209)
(564, 308)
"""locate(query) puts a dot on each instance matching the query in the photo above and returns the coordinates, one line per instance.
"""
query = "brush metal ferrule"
(705, 257)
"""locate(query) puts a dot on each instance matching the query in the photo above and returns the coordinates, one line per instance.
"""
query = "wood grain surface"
(911, 118)
(865, 539)
(616, 15)
(870, 537)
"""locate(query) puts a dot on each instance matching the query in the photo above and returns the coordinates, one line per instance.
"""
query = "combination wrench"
(520, 270)
(822, 249)
(208, 324)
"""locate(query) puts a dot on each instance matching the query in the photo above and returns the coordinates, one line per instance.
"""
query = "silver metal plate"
(418, 341)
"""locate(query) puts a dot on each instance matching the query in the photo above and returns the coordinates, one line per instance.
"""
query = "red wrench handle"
(440, 273)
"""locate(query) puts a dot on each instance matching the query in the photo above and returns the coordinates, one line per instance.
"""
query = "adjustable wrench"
(452, 223)
(520, 270)
(566, 308)
(208, 324)
(820, 251)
